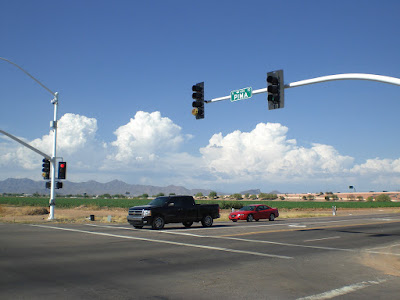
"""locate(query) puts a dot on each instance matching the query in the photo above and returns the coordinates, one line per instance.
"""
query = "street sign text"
(241, 94)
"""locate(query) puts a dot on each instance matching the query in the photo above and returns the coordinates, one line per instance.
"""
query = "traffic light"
(275, 89)
(58, 185)
(198, 104)
(62, 170)
(46, 169)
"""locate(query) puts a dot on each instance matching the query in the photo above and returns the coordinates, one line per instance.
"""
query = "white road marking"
(165, 242)
(343, 290)
(277, 223)
(248, 240)
(321, 239)
(297, 225)
(384, 247)
(311, 247)
(150, 231)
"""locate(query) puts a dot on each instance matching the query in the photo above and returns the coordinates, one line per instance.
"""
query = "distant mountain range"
(28, 186)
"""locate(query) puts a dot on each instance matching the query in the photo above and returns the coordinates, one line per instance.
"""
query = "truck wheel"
(207, 221)
(187, 224)
(158, 223)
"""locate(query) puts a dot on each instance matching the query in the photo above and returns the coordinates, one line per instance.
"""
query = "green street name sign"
(241, 94)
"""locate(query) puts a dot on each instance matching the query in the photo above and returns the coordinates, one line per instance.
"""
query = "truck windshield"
(159, 201)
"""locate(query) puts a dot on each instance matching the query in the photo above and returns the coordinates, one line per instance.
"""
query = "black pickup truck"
(172, 209)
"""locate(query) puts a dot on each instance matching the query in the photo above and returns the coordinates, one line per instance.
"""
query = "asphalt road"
(317, 258)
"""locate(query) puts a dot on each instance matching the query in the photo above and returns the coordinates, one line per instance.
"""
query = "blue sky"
(124, 71)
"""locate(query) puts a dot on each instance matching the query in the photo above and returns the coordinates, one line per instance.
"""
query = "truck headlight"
(146, 213)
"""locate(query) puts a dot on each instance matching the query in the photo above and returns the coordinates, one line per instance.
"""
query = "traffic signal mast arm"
(254, 92)
(26, 145)
(350, 76)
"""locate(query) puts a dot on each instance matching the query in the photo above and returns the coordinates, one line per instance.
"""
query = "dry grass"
(82, 214)
(12, 214)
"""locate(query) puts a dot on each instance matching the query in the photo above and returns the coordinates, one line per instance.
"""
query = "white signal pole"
(53, 126)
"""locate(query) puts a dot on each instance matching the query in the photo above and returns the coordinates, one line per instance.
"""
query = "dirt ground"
(10, 214)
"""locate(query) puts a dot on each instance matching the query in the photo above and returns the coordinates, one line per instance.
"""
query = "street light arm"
(26, 72)
(25, 144)
(354, 76)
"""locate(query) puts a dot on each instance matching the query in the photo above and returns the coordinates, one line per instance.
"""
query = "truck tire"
(158, 223)
(187, 224)
(207, 221)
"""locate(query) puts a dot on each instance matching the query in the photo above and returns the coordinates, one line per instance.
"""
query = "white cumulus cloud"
(376, 165)
(145, 137)
(75, 133)
(266, 153)
(150, 149)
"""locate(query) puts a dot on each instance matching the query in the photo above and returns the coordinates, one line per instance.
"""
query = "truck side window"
(177, 201)
(188, 200)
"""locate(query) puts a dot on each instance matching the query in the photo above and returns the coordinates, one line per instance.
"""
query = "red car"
(254, 212)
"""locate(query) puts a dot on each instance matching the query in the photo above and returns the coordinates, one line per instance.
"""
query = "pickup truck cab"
(172, 209)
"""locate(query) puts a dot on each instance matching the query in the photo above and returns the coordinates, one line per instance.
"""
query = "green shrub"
(237, 196)
(264, 196)
(230, 204)
(383, 198)
(212, 195)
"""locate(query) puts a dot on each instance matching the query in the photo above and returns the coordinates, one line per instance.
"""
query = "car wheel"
(250, 218)
(271, 217)
(207, 221)
(138, 227)
(187, 224)
(158, 223)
